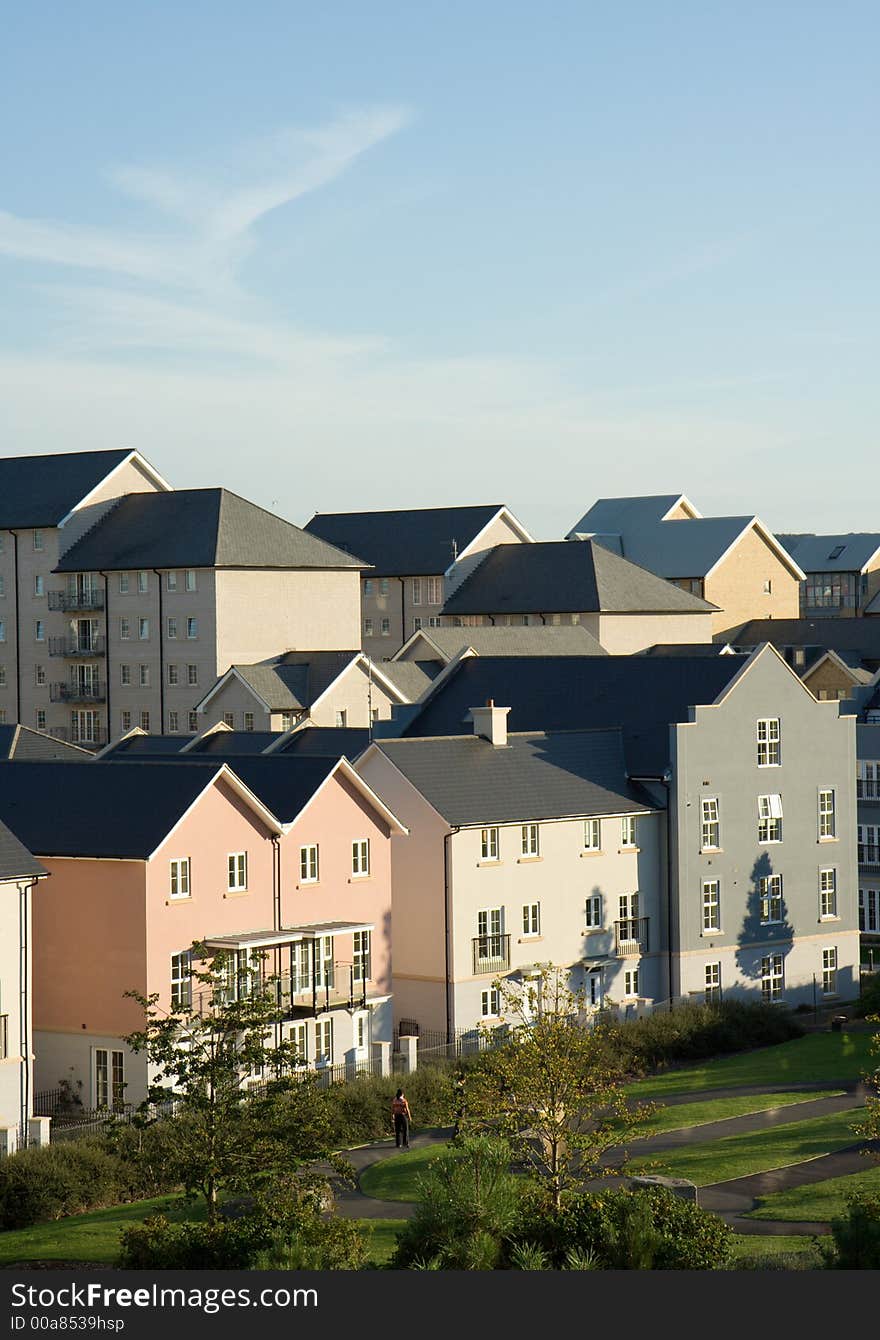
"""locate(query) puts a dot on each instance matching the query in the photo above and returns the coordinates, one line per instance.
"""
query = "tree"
(553, 1093)
(219, 1032)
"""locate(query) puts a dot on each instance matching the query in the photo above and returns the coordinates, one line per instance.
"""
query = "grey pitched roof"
(851, 552)
(537, 776)
(327, 742)
(197, 528)
(867, 741)
(567, 576)
(641, 694)
(535, 640)
(406, 542)
(121, 811)
(16, 861)
(613, 516)
(20, 742)
(852, 639)
(294, 681)
(689, 649)
(40, 490)
(411, 678)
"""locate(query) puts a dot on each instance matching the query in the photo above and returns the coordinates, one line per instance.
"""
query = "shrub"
(869, 1000)
(361, 1109)
(693, 1032)
(648, 1229)
(43, 1184)
(856, 1235)
(228, 1244)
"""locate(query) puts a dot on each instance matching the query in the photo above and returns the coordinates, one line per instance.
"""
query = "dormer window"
(836, 551)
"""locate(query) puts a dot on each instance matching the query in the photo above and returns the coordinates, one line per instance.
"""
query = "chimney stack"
(490, 723)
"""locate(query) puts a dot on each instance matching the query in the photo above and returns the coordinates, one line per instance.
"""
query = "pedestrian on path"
(402, 1117)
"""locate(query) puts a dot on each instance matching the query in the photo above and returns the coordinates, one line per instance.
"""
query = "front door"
(595, 988)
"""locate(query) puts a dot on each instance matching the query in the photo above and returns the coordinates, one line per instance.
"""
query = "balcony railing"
(68, 601)
(491, 953)
(631, 936)
(77, 646)
(339, 985)
(869, 855)
(867, 788)
(95, 692)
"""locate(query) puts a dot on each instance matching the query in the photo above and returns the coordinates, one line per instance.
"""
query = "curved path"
(730, 1200)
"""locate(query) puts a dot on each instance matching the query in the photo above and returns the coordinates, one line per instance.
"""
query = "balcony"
(491, 954)
(868, 789)
(77, 646)
(68, 601)
(342, 986)
(95, 692)
(631, 937)
(869, 856)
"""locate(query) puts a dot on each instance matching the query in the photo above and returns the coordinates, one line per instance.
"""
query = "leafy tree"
(856, 1235)
(554, 1093)
(228, 1138)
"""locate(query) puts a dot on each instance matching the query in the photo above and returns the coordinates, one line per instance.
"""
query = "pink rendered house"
(147, 858)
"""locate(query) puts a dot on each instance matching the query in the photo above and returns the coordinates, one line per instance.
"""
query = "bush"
(648, 1229)
(695, 1032)
(37, 1185)
(157, 1244)
(856, 1235)
(361, 1109)
(869, 1000)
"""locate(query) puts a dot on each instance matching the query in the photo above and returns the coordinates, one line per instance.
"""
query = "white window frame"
(768, 733)
(192, 675)
(771, 897)
(309, 863)
(531, 840)
(631, 983)
(435, 591)
(248, 721)
(145, 720)
(385, 628)
(192, 628)
(173, 723)
(710, 826)
(829, 970)
(362, 1033)
(143, 581)
(39, 585)
(143, 629)
(531, 920)
(490, 846)
(769, 819)
(111, 1062)
(190, 580)
(39, 631)
(124, 630)
(416, 591)
(181, 979)
(179, 878)
(144, 676)
(827, 815)
(368, 627)
(772, 977)
(173, 675)
(125, 674)
(38, 540)
(628, 832)
(172, 627)
(360, 858)
(124, 583)
(595, 919)
(125, 719)
(592, 835)
(171, 579)
(237, 871)
(828, 893)
(362, 956)
(711, 906)
(712, 982)
(324, 1043)
(368, 586)
(490, 1003)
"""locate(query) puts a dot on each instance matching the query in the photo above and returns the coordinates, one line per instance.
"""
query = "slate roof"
(124, 811)
(16, 861)
(567, 576)
(39, 491)
(327, 742)
(688, 649)
(612, 516)
(406, 542)
(147, 746)
(643, 695)
(867, 741)
(541, 640)
(813, 553)
(537, 776)
(411, 678)
(20, 742)
(852, 639)
(197, 528)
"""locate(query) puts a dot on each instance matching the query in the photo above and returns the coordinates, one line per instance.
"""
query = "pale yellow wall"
(350, 694)
(499, 531)
(737, 585)
(261, 612)
(129, 478)
(623, 634)
(827, 679)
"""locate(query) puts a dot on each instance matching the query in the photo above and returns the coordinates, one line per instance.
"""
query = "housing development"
(412, 761)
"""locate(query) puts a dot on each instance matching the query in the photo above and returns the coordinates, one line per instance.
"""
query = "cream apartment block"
(19, 874)
(418, 556)
(126, 608)
(524, 850)
(735, 562)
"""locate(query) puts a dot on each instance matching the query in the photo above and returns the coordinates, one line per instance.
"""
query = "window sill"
(828, 839)
(528, 860)
(307, 884)
(711, 851)
(595, 930)
(597, 852)
(172, 902)
(530, 939)
(357, 879)
(770, 765)
(488, 861)
(711, 935)
(622, 851)
(829, 916)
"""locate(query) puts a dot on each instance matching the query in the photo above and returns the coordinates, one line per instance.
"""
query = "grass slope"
(821, 1201)
(395, 1178)
(88, 1237)
(382, 1238)
(795, 1253)
(829, 1057)
(683, 1115)
(757, 1151)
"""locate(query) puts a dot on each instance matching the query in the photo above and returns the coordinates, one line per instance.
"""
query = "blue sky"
(366, 255)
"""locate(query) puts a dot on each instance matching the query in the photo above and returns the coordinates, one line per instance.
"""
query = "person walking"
(402, 1117)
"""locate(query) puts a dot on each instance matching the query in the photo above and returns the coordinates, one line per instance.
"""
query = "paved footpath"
(730, 1200)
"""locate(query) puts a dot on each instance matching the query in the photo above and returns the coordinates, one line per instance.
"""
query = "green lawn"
(382, 1235)
(395, 1178)
(88, 1237)
(819, 1056)
(821, 1201)
(683, 1115)
(801, 1253)
(757, 1151)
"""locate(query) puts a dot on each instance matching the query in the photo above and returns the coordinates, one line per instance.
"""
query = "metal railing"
(631, 936)
(333, 986)
(867, 788)
(491, 953)
(95, 692)
(77, 646)
(67, 601)
(869, 855)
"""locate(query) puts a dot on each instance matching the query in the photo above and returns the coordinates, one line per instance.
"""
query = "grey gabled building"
(758, 780)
